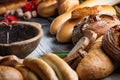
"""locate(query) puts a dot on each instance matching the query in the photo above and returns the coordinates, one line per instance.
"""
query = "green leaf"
(61, 54)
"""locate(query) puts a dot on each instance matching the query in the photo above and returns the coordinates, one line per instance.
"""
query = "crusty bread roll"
(111, 43)
(47, 8)
(66, 5)
(99, 9)
(9, 73)
(95, 65)
(99, 23)
(11, 5)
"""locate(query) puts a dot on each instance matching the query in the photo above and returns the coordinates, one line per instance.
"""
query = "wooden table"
(48, 43)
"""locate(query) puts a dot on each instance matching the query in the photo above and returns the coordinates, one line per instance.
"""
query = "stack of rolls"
(111, 43)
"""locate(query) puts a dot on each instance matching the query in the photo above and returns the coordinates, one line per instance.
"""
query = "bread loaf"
(100, 24)
(111, 43)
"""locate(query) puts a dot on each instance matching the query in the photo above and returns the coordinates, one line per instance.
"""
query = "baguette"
(58, 21)
(64, 33)
(41, 68)
(62, 69)
(27, 73)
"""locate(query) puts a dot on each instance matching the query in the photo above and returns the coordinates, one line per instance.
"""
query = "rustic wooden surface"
(48, 43)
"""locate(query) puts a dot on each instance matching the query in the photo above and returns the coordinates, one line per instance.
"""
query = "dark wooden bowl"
(23, 38)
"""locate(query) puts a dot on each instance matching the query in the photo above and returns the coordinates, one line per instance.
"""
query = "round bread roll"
(111, 43)
(66, 5)
(9, 73)
(95, 65)
(47, 8)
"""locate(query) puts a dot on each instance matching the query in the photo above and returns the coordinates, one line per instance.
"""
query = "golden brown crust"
(7, 73)
(41, 68)
(58, 22)
(95, 65)
(62, 69)
(27, 73)
(66, 5)
(64, 33)
(47, 8)
(86, 11)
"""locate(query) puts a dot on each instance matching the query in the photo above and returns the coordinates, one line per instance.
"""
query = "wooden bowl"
(20, 39)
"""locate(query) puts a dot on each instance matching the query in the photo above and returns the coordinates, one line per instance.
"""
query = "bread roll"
(86, 11)
(95, 65)
(111, 43)
(9, 73)
(66, 5)
(47, 8)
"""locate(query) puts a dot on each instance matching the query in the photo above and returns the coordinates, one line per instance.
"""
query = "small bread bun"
(9, 73)
(47, 8)
(66, 5)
